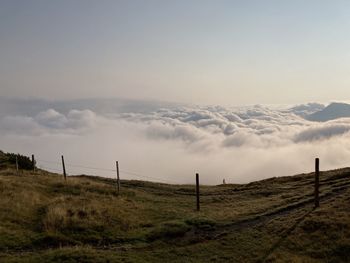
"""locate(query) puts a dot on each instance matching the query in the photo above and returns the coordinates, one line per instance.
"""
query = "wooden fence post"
(317, 182)
(118, 179)
(197, 191)
(64, 169)
(17, 163)
(33, 163)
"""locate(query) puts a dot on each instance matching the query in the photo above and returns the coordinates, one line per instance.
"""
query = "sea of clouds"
(173, 142)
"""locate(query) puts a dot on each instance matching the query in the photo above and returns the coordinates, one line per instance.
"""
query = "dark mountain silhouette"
(331, 112)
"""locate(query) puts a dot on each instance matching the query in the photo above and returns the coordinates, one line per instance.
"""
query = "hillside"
(331, 112)
(44, 219)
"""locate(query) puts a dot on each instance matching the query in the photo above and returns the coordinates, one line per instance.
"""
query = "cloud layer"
(172, 143)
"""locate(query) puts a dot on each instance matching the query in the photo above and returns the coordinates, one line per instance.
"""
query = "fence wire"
(46, 167)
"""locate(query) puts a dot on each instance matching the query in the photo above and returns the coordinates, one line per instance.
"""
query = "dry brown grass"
(269, 220)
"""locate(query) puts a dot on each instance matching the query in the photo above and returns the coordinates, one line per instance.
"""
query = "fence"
(117, 171)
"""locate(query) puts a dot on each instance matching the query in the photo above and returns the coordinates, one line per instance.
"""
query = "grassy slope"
(43, 219)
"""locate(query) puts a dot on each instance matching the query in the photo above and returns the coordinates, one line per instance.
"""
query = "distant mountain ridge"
(333, 111)
(305, 110)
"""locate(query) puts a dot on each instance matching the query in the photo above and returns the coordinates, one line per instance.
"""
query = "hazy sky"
(215, 52)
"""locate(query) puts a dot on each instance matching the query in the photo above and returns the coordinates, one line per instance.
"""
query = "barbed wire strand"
(49, 168)
(104, 169)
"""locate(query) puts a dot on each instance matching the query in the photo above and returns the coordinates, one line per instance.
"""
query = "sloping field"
(44, 219)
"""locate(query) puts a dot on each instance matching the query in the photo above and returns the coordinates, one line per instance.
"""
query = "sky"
(201, 52)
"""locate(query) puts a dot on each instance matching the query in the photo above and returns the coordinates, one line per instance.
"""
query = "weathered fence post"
(33, 163)
(17, 163)
(64, 169)
(118, 179)
(317, 182)
(197, 191)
